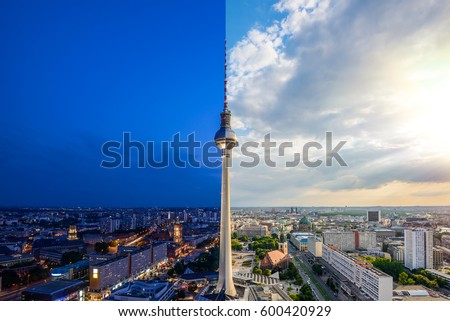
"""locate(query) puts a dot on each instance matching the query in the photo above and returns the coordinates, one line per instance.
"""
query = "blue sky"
(74, 74)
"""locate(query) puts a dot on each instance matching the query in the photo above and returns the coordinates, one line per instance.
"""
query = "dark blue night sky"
(75, 74)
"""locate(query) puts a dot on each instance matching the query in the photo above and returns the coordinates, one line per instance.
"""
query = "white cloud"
(363, 70)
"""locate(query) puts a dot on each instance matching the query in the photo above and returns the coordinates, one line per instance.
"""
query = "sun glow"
(429, 101)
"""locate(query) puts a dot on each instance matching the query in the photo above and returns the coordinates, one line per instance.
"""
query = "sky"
(376, 74)
(76, 74)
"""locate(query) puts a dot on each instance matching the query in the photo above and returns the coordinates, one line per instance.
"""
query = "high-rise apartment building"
(418, 248)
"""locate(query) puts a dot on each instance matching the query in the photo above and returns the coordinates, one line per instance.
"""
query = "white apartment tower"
(418, 248)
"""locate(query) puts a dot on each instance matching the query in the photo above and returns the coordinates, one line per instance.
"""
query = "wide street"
(325, 293)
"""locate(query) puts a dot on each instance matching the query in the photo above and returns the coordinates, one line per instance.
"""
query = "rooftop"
(54, 287)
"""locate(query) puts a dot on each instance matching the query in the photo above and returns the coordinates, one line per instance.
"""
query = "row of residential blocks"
(106, 274)
(375, 284)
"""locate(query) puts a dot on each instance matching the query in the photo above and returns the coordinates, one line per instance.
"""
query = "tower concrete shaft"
(225, 140)
(225, 270)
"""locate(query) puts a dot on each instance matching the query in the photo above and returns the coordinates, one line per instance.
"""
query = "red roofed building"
(275, 260)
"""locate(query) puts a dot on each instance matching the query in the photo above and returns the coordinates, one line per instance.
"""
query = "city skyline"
(110, 171)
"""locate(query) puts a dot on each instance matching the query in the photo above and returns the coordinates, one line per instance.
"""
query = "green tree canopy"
(71, 257)
(257, 270)
(101, 247)
(244, 238)
(267, 272)
(404, 279)
(235, 245)
(9, 278)
(317, 268)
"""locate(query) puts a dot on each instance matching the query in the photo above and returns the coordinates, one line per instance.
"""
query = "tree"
(71, 257)
(257, 270)
(101, 247)
(404, 279)
(179, 268)
(331, 284)
(298, 280)
(234, 235)
(38, 273)
(235, 245)
(392, 268)
(192, 287)
(306, 289)
(267, 272)
(275, 236)
(317, 268)
(181, 294)
(305, 294)
(244, 238)
(291, 273)
(113, 243)
(288, 236)
(207, 261)
(384, 247)
(9, 278)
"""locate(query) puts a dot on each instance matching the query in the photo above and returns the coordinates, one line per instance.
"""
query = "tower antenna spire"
(225, 101)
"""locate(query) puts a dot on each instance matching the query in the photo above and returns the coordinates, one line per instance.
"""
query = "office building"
(8, 261)
(350, 240)
(53, 248)
(373, 216)
(300, 240)
(141, 290)
(315, 246)
(73, 271)
(253, 230)
(383, 233)
(418, 248)
(60, 290)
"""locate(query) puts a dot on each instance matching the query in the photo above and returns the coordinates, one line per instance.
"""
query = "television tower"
(225, 140)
